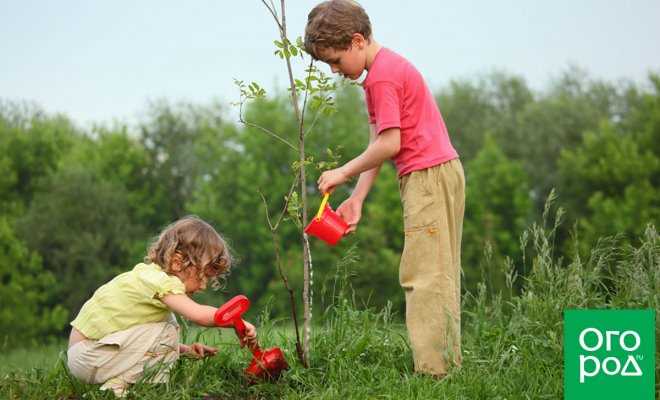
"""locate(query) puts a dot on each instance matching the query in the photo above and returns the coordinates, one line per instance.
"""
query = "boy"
(406, 126)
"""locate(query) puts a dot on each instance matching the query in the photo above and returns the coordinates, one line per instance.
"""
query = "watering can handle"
(231, 310)
(239, 328)
(322, 207)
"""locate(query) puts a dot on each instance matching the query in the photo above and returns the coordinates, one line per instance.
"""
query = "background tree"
(498, 208)
(82, 226)
(28, 312)
(611, 180)
(168, 138)
(31, 145)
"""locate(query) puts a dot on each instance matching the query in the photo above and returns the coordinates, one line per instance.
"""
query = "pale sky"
(102, 60)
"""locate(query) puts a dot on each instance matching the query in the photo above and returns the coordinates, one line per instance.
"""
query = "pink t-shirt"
(397, 97)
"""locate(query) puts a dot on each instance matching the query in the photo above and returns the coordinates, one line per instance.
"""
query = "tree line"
(78, 206)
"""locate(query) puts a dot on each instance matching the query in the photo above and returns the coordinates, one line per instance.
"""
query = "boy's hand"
(250, 337)
(198, 350)
(351, 212)
(331, 178)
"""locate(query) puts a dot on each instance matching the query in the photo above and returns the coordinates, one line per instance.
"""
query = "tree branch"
(273, 12)
(261, 128)
(284, 208)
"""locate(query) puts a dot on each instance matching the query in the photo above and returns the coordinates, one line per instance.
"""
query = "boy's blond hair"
(331, 25)
(195, 243)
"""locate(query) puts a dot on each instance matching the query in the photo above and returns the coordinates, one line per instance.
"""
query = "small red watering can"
(265, 364)
(327, 225)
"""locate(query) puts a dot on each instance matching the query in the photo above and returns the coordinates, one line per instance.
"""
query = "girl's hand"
(250, 337)
(198, 350)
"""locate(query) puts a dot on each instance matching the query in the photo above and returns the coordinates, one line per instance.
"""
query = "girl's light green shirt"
(130, 299)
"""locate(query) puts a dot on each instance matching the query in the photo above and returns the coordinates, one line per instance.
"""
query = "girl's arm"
(201, 314)
(197, 350)
(190, 309)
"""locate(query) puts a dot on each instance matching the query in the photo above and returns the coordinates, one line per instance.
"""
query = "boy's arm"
(385, 146)
(351, 209)
(367, 178)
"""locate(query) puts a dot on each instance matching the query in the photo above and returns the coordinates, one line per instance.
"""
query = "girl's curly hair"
(195, 243)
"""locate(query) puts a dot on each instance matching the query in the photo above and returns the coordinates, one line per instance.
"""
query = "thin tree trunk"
(307, 256)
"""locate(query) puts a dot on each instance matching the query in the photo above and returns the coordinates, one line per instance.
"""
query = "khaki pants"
(124, 357)
(430, 271)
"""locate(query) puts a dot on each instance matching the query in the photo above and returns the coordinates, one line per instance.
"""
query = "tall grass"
(512, 341)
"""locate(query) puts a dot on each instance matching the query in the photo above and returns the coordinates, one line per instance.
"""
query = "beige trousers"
(144, 351)
(430, 272)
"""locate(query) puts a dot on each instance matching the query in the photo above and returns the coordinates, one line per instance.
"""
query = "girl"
(127, 328)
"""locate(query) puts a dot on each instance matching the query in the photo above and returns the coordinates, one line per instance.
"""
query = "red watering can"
(265, 364)
(327, 225)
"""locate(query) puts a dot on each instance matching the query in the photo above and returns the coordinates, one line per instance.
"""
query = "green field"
(44, 357)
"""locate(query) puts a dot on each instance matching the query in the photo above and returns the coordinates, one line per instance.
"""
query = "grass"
(29, 358)
(512, 341)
